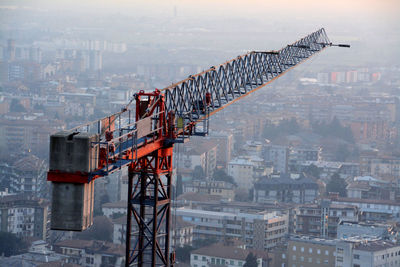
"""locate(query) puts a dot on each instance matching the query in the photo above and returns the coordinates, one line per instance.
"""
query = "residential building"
(279, 155)
(211, 187)
(372, 209)
(181, 232)
(25, 216)
(90, 253)
(242, 171)
(203, 154)
(259, 230)
(225, 147)
(309, 252)
(289, 188)
(29, 176)
(223, 255)
(367, 253)
(322, 219)
(110, 209)
(367, 187)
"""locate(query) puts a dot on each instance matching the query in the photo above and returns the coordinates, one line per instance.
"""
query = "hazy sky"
(373, 26)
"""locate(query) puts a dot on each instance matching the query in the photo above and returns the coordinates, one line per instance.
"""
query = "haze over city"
(274, 141)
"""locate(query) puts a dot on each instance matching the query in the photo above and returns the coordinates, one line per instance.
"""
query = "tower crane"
(142, 138)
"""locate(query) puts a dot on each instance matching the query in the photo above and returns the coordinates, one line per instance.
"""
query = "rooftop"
(228, 252)
(376, 245)
(94, 246)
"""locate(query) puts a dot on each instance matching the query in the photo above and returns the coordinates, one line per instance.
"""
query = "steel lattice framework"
(237, 77)
(143, 139)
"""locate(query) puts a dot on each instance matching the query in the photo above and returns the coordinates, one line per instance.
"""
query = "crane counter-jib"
(157, 121)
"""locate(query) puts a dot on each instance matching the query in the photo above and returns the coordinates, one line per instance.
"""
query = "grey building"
(24, 216)
(279, 155)
(295, 188)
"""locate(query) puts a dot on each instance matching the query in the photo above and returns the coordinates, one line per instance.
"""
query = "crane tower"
(142, 137)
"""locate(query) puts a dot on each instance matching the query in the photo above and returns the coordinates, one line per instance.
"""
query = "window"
(302, 258)
(204, 259)
(318, 251)
(318, 260)
(302, 249)
(326, 262)
(309, 259)
(283, 256)
(294, 248)
(231, 262)
(356, 256)
(310, 250)
(195, 257)
(294, 257)
(339, 259)
(326, 253)
(356, 265)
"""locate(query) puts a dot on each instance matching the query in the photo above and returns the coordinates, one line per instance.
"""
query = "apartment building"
(367, 253)
(288, 188)
(218, 188)
(259, 230)
(229, 256)
(322, 219)
(24, 216)
(91, 253)
(309, 252)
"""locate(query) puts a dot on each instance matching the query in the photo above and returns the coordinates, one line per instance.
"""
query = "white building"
(242, 171)
(260, 230)
(229, 256)
(109, 209)
(367, 253)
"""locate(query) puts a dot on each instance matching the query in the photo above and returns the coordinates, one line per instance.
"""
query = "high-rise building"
(95, 60)
(11, 50)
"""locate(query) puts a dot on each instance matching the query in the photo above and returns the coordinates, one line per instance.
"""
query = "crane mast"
(142, 139)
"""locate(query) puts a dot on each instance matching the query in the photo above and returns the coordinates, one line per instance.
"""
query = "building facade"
(261, 230)
(322, 219)
(24, 216)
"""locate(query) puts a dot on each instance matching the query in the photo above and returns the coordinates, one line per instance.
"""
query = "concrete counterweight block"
(72, 206)
(72, 203)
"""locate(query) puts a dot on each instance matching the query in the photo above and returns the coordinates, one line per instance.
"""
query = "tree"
(313, 170)
(179, 185)
(183, 253)
(242, 195)
(198, 173)
(10, 244)
(337, 184)
(16, 106)
(221, 175)
(251, 260)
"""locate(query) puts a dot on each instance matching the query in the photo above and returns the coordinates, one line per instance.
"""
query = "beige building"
(215, 188)
(306, 251)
